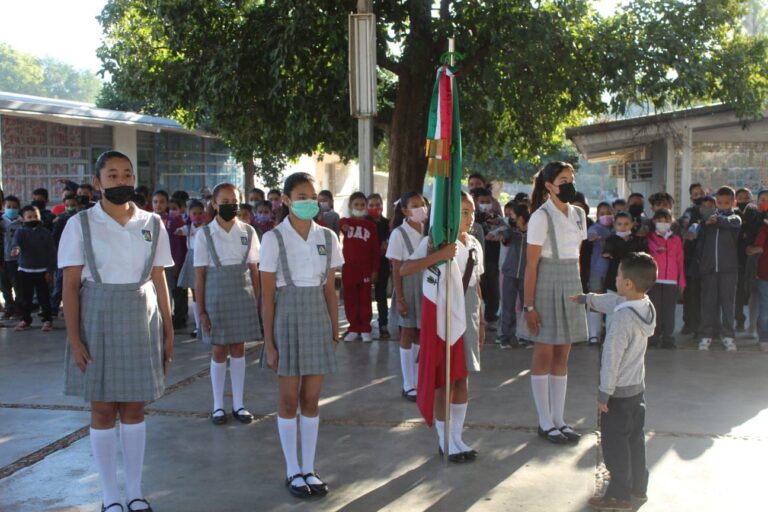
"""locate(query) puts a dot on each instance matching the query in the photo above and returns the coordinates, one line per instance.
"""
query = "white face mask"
(484, 207)
(662, 227)
(419, 215)
(622, 234)
(359, 213)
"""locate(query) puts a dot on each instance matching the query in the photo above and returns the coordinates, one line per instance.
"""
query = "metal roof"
(86, 114)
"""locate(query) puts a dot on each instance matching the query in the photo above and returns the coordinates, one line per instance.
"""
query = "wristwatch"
(528, 309)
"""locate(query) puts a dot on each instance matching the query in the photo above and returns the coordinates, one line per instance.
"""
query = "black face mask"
(567, 192)
(40, 205)
(636, 210)
(120, 194)
(742, 206)
(83, 200)
(698, 201)
(32, 224)
(228, 211)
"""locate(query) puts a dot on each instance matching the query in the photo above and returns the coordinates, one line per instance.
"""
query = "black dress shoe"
(570, 434)
(458, 458)
(299, 489)
(139, 500)
(408, 396)
(109, 508)
(553, 435)
(320, 489)
(470, 455)
(219, 419)
(242, 415)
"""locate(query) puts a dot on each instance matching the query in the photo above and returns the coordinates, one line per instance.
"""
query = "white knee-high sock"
(415, 354)
(134, 441)
(286, 427)
(540, 387)
(308, 427)
(218, 377)
(558, 385)
(104, 448)
(458, 414)
(594, 322)
(452, 448)
(406, 366)
(237, 377)
(197, 316)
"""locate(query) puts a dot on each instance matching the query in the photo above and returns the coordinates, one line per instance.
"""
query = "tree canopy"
(271, 76)
(24, 73)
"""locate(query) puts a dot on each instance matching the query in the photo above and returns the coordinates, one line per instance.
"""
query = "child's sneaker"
(367, 337)
(47, 326)
(609, 504)
(351, 336)
(22, 326)
(704, 343)
(383, 333)
(729, 345)
(504, 345)
(764, 346)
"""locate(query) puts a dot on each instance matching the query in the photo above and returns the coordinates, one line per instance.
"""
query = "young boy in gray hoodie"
(622, 380)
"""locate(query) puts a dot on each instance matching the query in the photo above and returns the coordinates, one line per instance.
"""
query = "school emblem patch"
(321, 250)
(244, 240)
(147, 234)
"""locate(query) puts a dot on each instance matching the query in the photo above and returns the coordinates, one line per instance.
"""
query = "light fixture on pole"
(362, 86)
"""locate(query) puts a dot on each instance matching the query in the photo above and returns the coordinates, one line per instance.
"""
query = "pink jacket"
(669, 258)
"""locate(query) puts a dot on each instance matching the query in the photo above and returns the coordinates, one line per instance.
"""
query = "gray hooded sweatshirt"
(622, 372)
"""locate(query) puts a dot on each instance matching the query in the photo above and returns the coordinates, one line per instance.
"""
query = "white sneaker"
(729, 345)
(367, 337)
(704, 343)
(351, 336)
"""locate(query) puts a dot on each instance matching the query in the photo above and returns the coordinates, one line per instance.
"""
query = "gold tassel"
(437, 167)
(438, 147)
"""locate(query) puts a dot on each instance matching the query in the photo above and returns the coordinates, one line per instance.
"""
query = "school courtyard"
(707, 432)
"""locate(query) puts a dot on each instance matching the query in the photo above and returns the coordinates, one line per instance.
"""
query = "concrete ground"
(707, 417)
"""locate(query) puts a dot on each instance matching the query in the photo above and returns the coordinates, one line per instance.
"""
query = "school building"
(43, 140)
(669, 151)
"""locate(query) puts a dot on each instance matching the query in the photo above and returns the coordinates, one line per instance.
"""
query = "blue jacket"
(36, 248)
(717, 244)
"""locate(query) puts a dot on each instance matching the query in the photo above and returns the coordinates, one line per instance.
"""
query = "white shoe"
(367, 337)
(351, 336)
(704, 343)
(729, 345)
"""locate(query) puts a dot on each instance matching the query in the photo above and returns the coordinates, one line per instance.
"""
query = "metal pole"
(365, 130)
(448, 265)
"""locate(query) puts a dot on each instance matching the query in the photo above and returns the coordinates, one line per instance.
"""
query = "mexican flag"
(444, 164)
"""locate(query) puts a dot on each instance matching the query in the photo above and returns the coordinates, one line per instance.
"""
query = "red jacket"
(361, 246)
(668, 254)
(762, 263)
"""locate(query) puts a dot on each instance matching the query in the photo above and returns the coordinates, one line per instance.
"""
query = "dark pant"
(489, 286)
(664, 299)
(623, 442)
(692, 303)
(8, 283)
(58, 286)
(744, 289)
(29, 283)
(718, 293)
(180, 298)
(511, 290)
(380, 291)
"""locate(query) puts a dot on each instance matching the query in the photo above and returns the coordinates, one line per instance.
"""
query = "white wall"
(124, 140)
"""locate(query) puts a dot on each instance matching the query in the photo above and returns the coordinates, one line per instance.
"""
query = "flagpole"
(448, 265)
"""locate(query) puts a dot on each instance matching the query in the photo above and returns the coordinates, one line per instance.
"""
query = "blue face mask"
(306, 209)
(11, 213)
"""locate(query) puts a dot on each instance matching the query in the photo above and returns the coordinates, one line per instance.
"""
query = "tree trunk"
(249, 170)
(407, 163)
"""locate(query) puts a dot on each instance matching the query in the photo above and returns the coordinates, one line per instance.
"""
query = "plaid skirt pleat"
(562, 321)
(303, 334)
(121, 326)
(412, 294)
(231, 305)
(186, 277)
(472, 333)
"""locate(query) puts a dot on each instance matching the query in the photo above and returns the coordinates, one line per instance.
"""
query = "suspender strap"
(328, 247)
(283, 258)
(408, 244)
(551, 235)
(470, 268)
(211, 248)
(147, 274)
(249, 229)
(90, 259)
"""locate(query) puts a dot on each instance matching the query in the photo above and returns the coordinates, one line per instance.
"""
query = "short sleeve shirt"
(397, 249)
(462, 256)
(121, 252)
(570, 230)
(230, 247)
(306, 258)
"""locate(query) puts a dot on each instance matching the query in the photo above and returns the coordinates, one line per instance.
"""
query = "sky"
(68, 30)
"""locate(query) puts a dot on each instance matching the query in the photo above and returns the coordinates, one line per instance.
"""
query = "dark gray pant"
(623, 442)
(664, 299)
(511, 289)
(489, 286)
(718, 295)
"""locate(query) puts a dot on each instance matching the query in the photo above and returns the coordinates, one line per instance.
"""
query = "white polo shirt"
(306, 258)
(121, 252)
(230, 247)
(190, 231)
(570, 231)
(397, 250)
(462, 256)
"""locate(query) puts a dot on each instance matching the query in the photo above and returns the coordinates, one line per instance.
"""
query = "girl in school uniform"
(552, 321)
(299, 261)
(410, 217)
(190, 230)
(226, 287)
(118, 318)
(469, 255)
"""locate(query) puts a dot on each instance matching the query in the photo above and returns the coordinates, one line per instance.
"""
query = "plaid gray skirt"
(412, 294)
(231, 306)
(562, 321)
(303, 334)
(472, 334)
(186, 277)
(121, 326)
